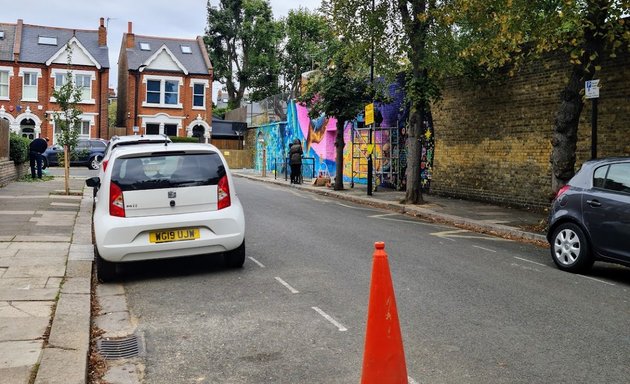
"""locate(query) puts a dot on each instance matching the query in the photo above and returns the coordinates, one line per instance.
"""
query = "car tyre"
(44, 163)
(236, 258)
(105, 270)
(570, 250)
(95, 162)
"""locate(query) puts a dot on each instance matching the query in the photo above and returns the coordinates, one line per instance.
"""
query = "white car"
(157, 202)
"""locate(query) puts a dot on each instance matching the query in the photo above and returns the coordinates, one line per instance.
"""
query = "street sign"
(369, 114)
(591, 89)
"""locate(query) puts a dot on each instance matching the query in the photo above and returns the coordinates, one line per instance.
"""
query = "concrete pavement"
(45, 282)
(46, 259)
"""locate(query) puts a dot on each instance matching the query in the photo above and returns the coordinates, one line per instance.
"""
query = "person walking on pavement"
(36, 148)
(295, 160)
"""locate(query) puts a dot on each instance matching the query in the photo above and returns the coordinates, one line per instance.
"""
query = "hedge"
(18, 148)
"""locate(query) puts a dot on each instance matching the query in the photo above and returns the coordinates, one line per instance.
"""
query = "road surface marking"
(329, 318)
(410, 380)
(256, 261)
(418, 222)
(460, 234)
(290, 288)
(598, 280)
(385, 215)
(529, 261)
(485, 249)
(359, 208)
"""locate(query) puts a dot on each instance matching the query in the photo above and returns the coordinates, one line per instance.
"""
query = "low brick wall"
(9, 172)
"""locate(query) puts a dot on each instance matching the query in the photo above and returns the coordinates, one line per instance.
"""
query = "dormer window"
(186, 49)
(47, 40)
(145, 46)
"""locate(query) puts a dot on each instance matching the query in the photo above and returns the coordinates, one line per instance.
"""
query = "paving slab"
(15, 354)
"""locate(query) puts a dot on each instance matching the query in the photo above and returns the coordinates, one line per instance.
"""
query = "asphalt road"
(473, 309)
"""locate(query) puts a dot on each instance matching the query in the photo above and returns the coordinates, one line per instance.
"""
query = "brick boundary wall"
(493, 138)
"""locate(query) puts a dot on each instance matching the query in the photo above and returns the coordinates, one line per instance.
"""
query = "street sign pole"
(591, 91)
(369, 119)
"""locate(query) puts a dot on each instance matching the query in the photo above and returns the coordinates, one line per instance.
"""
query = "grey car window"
(618, 178)
(599, 176)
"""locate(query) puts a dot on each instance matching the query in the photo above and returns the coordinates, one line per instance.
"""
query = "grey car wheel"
(570, 249)
(95, 162)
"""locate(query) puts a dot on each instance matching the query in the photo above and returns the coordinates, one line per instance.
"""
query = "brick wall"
(493, 138)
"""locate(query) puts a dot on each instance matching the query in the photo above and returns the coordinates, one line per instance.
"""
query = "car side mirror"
(93, 182)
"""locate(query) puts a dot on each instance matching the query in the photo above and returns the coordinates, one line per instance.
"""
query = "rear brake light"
(116, 201)
(562, 191)
(223, 193)
(104, 165)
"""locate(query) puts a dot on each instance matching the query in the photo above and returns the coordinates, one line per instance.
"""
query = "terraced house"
(34, 62)
(164, 86)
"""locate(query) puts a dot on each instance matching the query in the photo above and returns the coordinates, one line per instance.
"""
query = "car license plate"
(177, 234)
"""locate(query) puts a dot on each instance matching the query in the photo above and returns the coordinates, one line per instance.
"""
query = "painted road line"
(598, 280)
(460, 234)
(385, 215)
(529, 261)
(256, 261)
(410, 380)
(329, 318)
(485, 249)
(417, 222)
(290, 288)
(358, 208)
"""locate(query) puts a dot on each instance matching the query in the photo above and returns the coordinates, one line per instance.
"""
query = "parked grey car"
(590, 216)
(88, 152)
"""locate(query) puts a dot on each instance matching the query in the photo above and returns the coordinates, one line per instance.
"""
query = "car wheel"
(570, 249)
(44, 163)
(236, 257)
(95, 162)
(105, 270)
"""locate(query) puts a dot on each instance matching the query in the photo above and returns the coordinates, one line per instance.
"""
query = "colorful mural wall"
(318, 140)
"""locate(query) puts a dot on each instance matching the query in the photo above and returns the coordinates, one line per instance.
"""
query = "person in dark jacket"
(295, 160)
(36, 148)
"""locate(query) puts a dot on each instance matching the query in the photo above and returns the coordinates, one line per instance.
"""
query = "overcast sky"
(164, 18)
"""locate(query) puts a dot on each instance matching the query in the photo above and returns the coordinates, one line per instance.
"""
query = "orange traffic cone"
(384, 356)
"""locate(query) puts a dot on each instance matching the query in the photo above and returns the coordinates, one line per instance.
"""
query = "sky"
(164, 18)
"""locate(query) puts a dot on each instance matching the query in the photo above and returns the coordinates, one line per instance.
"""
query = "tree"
(337, 91)
(242, 40)
(506, 35)
(67, 120)
(307, 35)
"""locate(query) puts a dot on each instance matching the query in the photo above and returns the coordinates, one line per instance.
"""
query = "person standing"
(36, 148)
(295, 160)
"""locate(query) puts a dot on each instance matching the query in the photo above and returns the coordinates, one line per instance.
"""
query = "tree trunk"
(413, 193)
(339, 145)
(66, 168)
(564, 139)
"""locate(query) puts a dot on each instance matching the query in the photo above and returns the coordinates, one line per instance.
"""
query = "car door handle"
(593, 203)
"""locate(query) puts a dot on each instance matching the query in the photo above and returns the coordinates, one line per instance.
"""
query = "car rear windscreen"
(167, 171)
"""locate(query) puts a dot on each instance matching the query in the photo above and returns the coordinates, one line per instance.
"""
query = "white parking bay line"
(485, 249)
(598, 280)
(329, 318)
(256, 261)
(290, 288)
(529, 261)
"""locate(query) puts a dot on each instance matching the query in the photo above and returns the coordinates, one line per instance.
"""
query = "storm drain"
(123, 348)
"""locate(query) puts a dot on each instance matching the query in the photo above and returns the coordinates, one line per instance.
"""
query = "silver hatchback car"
(166, 201)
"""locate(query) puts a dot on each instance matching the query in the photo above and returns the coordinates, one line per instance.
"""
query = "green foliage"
(220, 112)
(243, 44)
(307, 36)
(18, 148)
(177, 139)
(67, 121)
(111, 114)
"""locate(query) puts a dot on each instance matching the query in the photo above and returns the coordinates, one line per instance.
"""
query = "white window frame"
(84, 124)
(162, 80)
(9, 72)
(84, 93)
(37, 72)
(86, 117)
(206, 84)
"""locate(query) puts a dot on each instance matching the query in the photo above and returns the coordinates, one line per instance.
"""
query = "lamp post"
(261, 141)
(137, 103)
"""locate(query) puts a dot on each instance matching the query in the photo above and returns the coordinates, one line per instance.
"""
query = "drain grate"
(123, 348)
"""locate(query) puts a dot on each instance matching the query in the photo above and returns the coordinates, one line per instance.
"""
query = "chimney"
(130, 37)
(102, 34)
(17, 44)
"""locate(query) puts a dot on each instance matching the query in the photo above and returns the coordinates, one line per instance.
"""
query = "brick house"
(164, 86)
(34, 62)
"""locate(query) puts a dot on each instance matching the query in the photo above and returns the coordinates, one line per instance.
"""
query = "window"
(29, 90)
(60, 80)
(4, 84)
(618, 178)
(47, 40)
(145, 46)
(85, 83)
(599, 176)
(84, 128)
(171, 129)
(186, 49)
(1, 34)
(198, 95)
(153, 129)
(163, 92)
